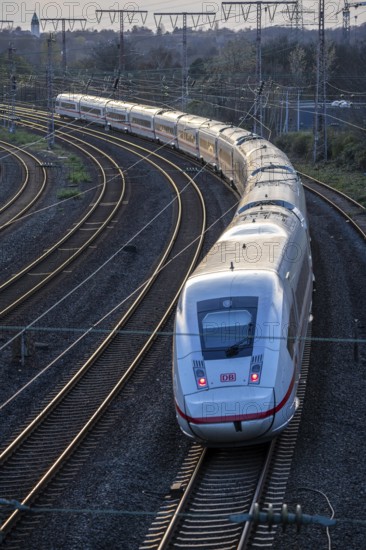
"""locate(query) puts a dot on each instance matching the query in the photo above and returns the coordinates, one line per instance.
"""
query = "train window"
(225, 156)
(116, 116)
(164, 128)
(90, 110)
(141, 122)
(227, 326)
(187, 136)
(66, 105)
(302, 283)
(292, 331)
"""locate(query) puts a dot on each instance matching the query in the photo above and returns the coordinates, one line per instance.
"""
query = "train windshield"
(227, 326)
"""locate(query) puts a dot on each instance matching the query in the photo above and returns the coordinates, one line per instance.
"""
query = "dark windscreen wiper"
(235, 348)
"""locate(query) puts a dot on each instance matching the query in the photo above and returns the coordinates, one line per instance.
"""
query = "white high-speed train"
(243, 314)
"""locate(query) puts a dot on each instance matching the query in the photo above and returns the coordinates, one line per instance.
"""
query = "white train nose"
(242, 413)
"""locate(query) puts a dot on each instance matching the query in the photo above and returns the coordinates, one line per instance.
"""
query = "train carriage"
(117, 114)
(142, 120)
(187, 132)
(239, 322)
(68, 105)
(207, 141)
(92, 109)
(165, 125)
(227, 141)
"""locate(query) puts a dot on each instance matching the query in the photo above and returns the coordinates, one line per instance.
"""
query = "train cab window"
(292, 332)
(227, 326)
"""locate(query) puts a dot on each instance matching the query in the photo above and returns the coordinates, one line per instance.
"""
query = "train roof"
(193, 121)
(146, 109)
(115, 105)
(233, 135)
(69, 96)
(256, 240)
(170, 115)
(214, 127)
(93, 100)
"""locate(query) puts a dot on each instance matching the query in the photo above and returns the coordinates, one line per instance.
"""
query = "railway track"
(214, 484)
(46, 443)
(29, 184)
(354, 212)
(275, 492)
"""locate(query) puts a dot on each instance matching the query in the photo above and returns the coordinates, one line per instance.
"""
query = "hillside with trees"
(222, 76)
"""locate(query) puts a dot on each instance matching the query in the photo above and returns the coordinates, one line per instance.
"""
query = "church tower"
(35, 25)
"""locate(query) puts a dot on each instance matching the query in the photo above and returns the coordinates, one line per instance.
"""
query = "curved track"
(28, 191)
(214, 484)
(350, 209)
(47, 442)
(275, 491)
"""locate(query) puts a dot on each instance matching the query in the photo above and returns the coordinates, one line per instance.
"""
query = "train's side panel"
(68, 105)
(165, 125)
(142, 120)
(187, 133)
(207, 141)
(93, 109)
(118, 115)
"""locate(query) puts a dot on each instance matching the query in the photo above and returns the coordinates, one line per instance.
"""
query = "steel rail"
(50, 472)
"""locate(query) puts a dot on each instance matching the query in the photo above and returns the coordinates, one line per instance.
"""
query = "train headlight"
(201, 378)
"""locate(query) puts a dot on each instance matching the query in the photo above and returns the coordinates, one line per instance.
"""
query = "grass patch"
(22, 138)
(77, 172)
(75, 169)
(67, 193)
(350, 182)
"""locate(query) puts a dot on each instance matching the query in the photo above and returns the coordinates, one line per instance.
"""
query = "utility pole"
(270, 7)
(2, 21)
(347, 17)
(50, 121)
(121, 13)
(320, 114)
(55, 21)
(196, 16)
(12, 87)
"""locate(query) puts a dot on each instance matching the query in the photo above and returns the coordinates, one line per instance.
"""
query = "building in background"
(35, 26)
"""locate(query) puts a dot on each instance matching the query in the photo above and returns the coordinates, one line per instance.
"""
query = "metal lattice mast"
(346, 13)
(184, 15)
(320, 115)
(50, 121)
(12, 88)
(64, 20)
(258, 105)
(258, 65)
(130, 13)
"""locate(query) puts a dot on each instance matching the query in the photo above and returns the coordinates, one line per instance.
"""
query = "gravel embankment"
(331, 445)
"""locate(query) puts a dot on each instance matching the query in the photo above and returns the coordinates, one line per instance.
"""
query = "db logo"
(228, 377)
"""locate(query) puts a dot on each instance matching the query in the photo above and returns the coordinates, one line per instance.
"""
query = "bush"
(302, 144)
(296, 144)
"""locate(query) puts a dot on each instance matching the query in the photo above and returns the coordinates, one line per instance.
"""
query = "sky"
(21, 12)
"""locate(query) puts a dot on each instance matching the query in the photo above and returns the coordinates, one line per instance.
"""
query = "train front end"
(234, 381)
